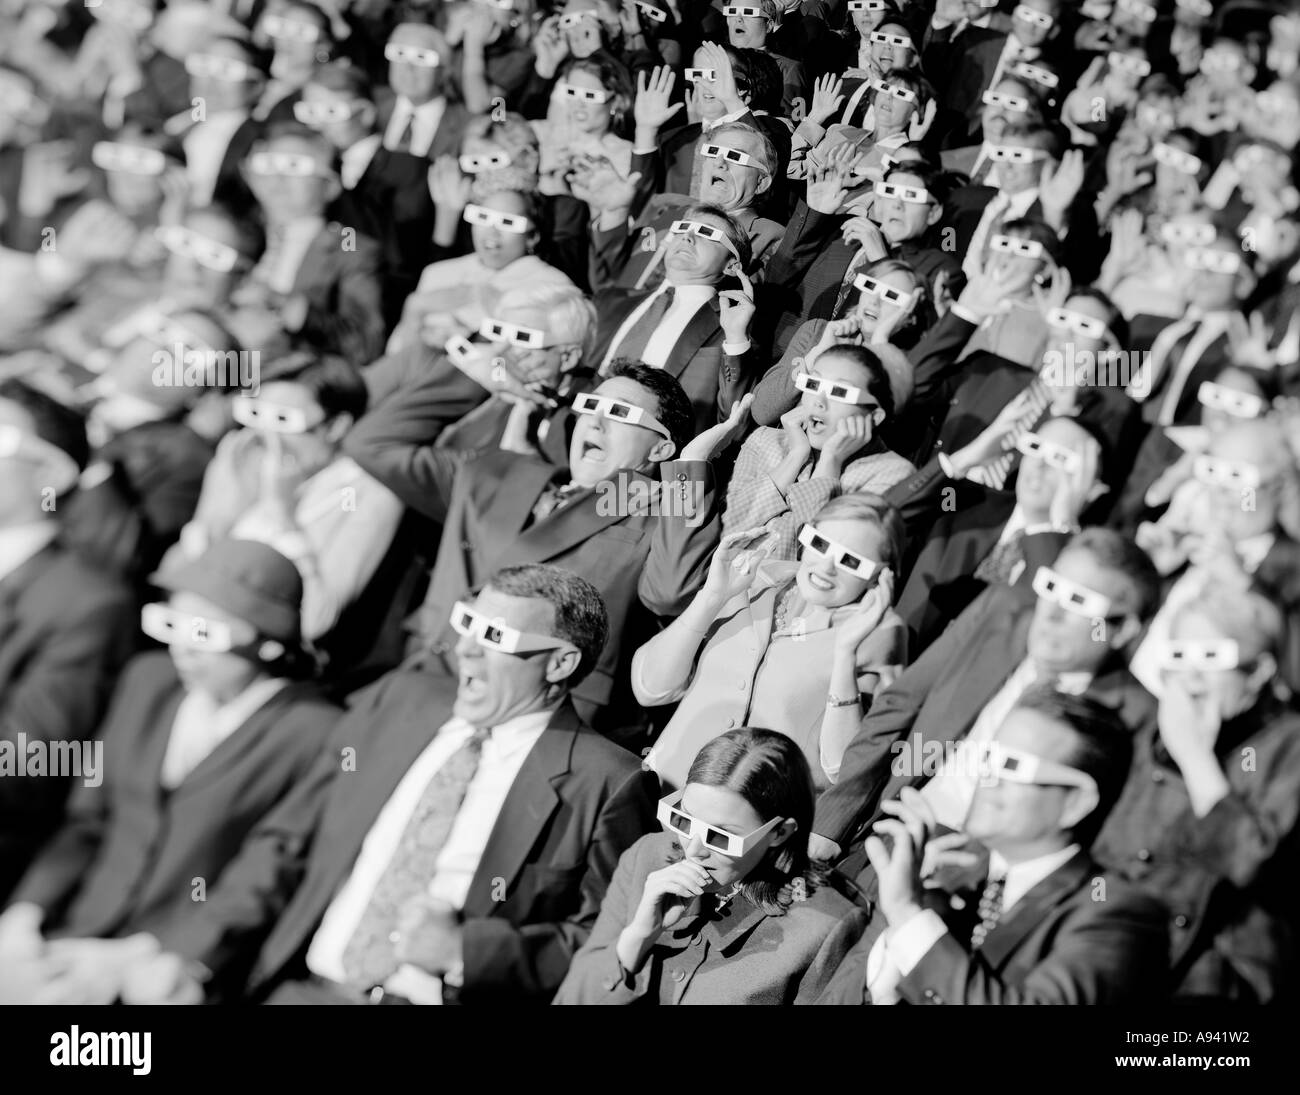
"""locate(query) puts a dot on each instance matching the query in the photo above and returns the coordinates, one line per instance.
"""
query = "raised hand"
(828, 97)
(737, 311)
(849, 435)
(718, 438)
(724, 87)
(448, 187)
(550, 46)
(731, 570)
(851, 632)
(654, 107)
(794, 423)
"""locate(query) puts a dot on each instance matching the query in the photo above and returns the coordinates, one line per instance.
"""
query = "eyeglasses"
(1077, 323)
(1001, 153)
(586, 94)
(491, 218)
(833, 389)
(651, 12)
(1143, 11)
(173, 628)
(1218, 60)
(258, 414)
(412, 55)
(1050, 453)
(845, 559)
(1214, 471)
(461, 351)
(1033, 17)
(1127, 63)
(915, 195)
(1000, 762)
(694, 75)
(730, 155)
(1037, 74)
(230, 69)
(132, 159)
(1074, 598)
(576, 17)
(904, 94)
(1203, 8)
(1178, 159)
(1013, 245)
(1252, 156)
(676, 820)
(322, 113)
(1017, 103)
(289, 165)
(704, 231)
(1184, 655)
(896, 40)
(1194, 235)
(290, 30)
(499, 636)
(486, 161)
(872, 287)
(498, 330)
(1154, 118)
(1238, 404)
(618, 410)
(734, 10)
(210, 254)
(1209, 261)
(867, 5)
(500, 5)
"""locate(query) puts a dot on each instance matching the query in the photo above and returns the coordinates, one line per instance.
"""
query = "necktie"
(405, 135)
(997, 566)
(267, 271)
(553, 497)
(1168, 347)
(994, 475)
(990, 911)
(368, 958)
(638, 336)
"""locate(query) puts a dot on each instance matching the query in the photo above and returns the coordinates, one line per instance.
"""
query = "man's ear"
(561, 665)
(335, 432)
(570, 356)
(1120, 635)
(662, 450)
(764, 184)
(733, 268)
(935, 215)
(1079, 803)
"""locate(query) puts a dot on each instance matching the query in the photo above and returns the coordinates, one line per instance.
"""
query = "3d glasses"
(259, 414)
(128, 158)
(618, 410)
(491, 218)
(845, 559)
(210, 254)
(1238, 404)
(1178, 159)
(484, 161)
(498, 330)
(1074, 598)
(1187, 655)
(585, 94)
(173, 628)
(998, 763)
(915, 195)
(730, 155)
(418, 56)
(676, 820)
(1016, 103)
(1050, 453)
(497, 635)
(1014, 245)
(872, 287)
(833, 389)
(704, 231)
(1214, 471)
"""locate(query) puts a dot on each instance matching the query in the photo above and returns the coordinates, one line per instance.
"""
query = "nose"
(467, 647)
(695, 848)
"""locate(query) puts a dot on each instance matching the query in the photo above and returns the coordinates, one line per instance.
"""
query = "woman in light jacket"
(799, 645)
(722, 907)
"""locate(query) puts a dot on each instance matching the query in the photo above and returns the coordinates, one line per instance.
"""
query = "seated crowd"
(676, 501)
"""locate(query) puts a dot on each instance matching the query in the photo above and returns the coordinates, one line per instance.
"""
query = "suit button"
(744, 686)
(1157, 776)
(465, 545)
(1180, 921)
(731, 723)
(1144, 854)
(679, 975)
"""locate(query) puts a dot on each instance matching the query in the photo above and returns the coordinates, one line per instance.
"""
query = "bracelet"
(831, 701)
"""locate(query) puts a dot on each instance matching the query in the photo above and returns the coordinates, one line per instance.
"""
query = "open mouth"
(818, 582)
(592, 452)
(815, 423)
(472, 686)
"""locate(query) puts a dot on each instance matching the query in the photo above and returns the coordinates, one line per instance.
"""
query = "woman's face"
(1238, 380)
(867, 21)
(893, 115)
(585, 116)
(824, 413)
(873, 307)
(889, 56)
(996, 117)
(821, 581)
(303, 454)
(219, 674)
(727, 810)
(1229, 692)
(496, 247)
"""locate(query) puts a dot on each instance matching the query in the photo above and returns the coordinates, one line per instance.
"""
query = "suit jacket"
(340, 277)
(447, 137)
(938, 698)
(576, 804)
(65, 629)
(737, 955)
(712, 378)
(1080, 936)
(127, 857)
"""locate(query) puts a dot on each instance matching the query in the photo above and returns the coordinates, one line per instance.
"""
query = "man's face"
(416, 80)
(1007, 816)
(296, 40)
(285, 195)
(498, 247)
(692, 259)
(300, 454)
(1242, 511)
(1062, 641)
(198, 285)
(542, 365)
(1038, 480)
(344, 133)
(494, 687)
(584, 35)
(996, 117)
(1068, 341)
(1276, 115)
(219, 93)
(219, 674)
(1015, 178)
(905, 220)
(747, 31)
(1014, 266)
(1228, 692)
(731, 185)
(1027, 21)
(602, 447)
(1210, 290)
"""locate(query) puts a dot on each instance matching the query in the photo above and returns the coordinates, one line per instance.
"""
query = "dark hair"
(1120, 553)
(295, 129)
(738, 236)
(614, 78)
(765, 79)
(769, 771)
(1104, 747)
(1037, 229)
(1115, 321)
(61, 426)
(673, 404)
(868, 362)
(335, 386)
(580, 615)
(343, 78)
(250, 240)
(254, 56)
(937, 180)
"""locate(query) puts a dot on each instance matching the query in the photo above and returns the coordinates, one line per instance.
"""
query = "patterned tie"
(369, 958)
(996, 567)
(642, 331)
(990, 911)
(552, 498)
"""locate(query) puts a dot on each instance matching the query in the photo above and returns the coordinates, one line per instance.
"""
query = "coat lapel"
(703, 325)
(1028, 911)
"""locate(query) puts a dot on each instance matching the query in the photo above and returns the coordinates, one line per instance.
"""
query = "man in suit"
(637, 523)
(200, 743)
(317, 283)
(420, 119)
(64, 627)
(464, 854)
(1099, 592)
(688, 327)
(1051, 927)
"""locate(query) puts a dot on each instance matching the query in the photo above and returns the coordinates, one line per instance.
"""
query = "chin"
(814, 594)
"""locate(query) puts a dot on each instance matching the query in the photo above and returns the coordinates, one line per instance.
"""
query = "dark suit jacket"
(65, 629)
(713, 379)
(1059, 944)
(128, 856)
(340, 277)
(938, 698)
(446, 141)
(576, 804)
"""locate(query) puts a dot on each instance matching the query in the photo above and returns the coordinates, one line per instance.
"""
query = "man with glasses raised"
(463, 854)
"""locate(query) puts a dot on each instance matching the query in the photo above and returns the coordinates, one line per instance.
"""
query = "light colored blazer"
(741, 955)
(747, 675)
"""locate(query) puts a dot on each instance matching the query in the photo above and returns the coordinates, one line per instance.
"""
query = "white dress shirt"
(504, 752)
(201, 724)
(279, 267)
(424, 120)
(688, 300)
(899, 950)
(357, 158)
(205, 150)
(20, 543)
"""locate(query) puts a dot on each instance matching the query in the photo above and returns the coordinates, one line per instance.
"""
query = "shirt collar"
(1024, 876)
(20, 543)
(700, 294)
